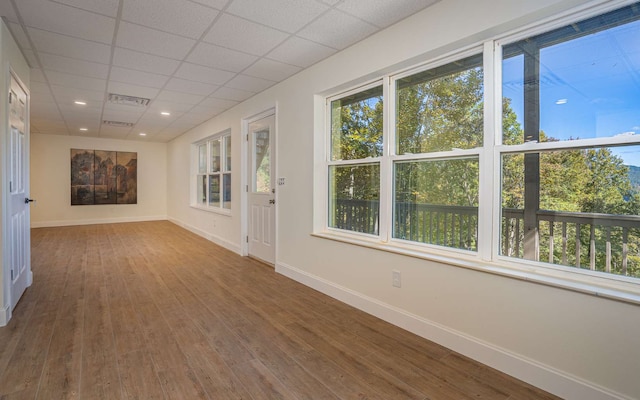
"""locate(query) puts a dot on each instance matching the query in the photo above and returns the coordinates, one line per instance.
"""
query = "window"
(548, 174)
(354, 166)
(213, 178)
(439, 112)
(570, 193)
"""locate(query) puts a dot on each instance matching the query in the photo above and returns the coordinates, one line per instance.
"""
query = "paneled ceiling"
(192, 59)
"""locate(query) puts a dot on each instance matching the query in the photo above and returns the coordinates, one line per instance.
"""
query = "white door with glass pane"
(262, 189)
(19, 236)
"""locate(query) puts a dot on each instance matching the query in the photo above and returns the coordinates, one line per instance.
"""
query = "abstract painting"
(103, 177)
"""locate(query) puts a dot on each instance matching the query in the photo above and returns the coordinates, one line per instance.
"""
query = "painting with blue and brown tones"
(103, 177)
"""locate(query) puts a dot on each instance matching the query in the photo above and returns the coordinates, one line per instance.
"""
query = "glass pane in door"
(262, 164)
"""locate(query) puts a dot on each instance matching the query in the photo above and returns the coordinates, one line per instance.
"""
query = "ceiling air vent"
(128, 100)
(118, 124)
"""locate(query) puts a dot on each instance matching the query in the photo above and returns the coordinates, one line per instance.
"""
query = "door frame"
(5, 305)
(246, 178)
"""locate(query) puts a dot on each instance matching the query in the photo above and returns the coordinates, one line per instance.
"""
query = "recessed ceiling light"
(84, 129)
(165, 113)
(80, 102)
(142, 134)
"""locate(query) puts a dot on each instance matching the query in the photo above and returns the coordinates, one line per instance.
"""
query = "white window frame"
(359, 161)
(487, 258)
(224, 169)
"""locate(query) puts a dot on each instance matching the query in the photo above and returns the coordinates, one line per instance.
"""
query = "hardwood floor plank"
(151, 311)
(139, 377)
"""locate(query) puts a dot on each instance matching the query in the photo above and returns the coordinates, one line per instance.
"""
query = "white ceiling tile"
(199, 73)
(67, 95)
(384, 12)
(237, 33)
(7, 11)
(286, 15)
(21, 38)
(221, 58)
(75, 81)
(132, 90)
(69, 46)
(165, 137)
(227, 93)
(46, 110)
(58, 63)
(42, 98)
(59, 18)
(188, 121)
(186, 86)
(30, 55)
(104, 7)
(136, 37)
(36, 75)
(218, 4)
(152, 121)
(132, 115)
(144, 62)
(180, 17)
(73, 111)
(149, 79)
(249, 83)
(272, 70)
(214, 103)
(39, 87)
(186, 98)
(337, 29)
(300, 52)
(171, 106)
(93, 127)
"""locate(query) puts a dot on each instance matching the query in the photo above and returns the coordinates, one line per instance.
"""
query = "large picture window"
(571, 97)
(537, 163)
(213, 177)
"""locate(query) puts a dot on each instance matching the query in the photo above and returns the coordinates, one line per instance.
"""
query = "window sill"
(215, 210)
(617, 288)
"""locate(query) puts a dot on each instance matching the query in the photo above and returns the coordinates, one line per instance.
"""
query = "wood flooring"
(151, 311)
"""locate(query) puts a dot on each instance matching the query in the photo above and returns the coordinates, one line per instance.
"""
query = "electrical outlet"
(396, 280)
(281, 181)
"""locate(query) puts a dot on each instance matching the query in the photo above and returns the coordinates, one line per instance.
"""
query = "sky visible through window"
(589, 87)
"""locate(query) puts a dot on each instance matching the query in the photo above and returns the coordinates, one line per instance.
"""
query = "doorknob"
(272, 201)
(28, 200)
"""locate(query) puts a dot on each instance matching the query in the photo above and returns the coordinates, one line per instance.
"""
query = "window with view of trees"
(354, 166)
(565, 168)
(213, 178)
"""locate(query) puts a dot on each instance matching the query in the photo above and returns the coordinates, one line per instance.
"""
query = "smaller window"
(213, 178)
(353, 165)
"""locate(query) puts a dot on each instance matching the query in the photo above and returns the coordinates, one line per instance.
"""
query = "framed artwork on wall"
(103, 177)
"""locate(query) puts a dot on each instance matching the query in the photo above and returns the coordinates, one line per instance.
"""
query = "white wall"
(576, 345)
(50, 180)
(10, 59)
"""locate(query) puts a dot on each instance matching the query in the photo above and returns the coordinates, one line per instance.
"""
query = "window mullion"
(486, 162)
(386, 165)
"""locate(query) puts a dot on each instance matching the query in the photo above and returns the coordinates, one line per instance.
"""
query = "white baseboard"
(222, 242)
(49, 224)
(523, 368)
(5, 315)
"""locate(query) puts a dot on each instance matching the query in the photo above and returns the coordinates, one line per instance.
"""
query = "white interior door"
(262, 230)
(19, 236)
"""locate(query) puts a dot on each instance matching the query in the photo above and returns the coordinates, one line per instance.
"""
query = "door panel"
(19, 239)
(262, 189)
